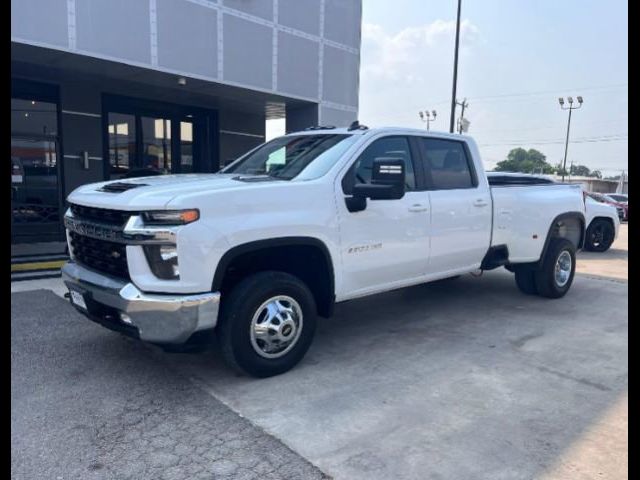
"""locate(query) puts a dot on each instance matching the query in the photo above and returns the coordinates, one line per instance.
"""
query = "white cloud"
(409, 70)
(398, 56)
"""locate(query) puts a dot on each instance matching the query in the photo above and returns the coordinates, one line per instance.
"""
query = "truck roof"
(375, 130)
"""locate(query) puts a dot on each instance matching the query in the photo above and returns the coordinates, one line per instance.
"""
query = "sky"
(516, 58)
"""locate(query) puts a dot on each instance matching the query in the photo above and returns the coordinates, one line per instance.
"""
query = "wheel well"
(308, 260)
(568, 225)
(607, 219)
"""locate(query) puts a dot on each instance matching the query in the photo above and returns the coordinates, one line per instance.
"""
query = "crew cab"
(255, 253)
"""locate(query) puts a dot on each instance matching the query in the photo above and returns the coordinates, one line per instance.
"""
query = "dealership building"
(102, 89)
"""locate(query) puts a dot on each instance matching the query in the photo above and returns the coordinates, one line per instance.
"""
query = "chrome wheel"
(563, 268)
(276, 327)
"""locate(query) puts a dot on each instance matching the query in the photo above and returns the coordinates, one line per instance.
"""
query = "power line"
(613, 138)
(531, 94)
(547, 92)
(550, 127)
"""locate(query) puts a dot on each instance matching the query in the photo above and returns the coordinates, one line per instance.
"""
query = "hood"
(157, 191)
(594, 208)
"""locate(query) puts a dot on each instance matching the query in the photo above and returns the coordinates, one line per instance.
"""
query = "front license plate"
(77, 299)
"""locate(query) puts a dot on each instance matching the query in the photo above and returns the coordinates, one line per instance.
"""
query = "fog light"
(163, 261)
(125, 318)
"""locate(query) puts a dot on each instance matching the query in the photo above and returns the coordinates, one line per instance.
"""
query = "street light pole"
(566, 143)
(455, 71)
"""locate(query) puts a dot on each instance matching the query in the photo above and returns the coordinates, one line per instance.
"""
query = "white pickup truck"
(257, 251)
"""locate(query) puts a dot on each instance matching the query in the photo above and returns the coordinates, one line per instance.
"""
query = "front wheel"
(554, 277)
(267, 324)
(599, 236)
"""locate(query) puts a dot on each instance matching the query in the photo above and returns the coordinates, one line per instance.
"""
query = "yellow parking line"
(25, 267)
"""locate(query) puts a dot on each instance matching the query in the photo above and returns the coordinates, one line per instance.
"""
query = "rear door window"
(447, 164)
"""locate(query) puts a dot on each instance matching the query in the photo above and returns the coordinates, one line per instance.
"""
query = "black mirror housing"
(387, 183)
(378, 192)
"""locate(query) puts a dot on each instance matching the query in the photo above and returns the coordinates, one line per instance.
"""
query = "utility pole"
(463, 105)
(571, 108)
(455, 71)
(428, 116)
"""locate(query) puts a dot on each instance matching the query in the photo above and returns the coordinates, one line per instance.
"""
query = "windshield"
(597, 197)
(617, 198)
(286, 157)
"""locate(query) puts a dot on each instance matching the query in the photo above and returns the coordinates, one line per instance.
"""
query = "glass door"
(142, 145)
(35, 169)
(156, 148)
(35, 206)
(186, 147)
(122, 144)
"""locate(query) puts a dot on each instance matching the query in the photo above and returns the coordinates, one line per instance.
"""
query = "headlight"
(163, 261)
(171, 217)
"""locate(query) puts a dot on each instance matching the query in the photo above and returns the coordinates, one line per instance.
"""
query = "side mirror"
(387, 180)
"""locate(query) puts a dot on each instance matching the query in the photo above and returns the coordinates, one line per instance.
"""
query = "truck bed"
(523, 207)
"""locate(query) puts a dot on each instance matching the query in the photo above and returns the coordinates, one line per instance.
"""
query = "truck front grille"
(101, 215)
(101, 255)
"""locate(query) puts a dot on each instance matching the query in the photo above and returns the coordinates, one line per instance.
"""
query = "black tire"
(600, 235)
(235, 323)
(525, 280)
(545, 276)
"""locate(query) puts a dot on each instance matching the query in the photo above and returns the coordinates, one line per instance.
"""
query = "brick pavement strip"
(87, 403)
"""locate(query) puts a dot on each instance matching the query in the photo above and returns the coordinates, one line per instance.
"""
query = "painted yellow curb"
(26, 267)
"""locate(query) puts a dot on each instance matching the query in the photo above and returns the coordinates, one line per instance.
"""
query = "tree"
(580, 171)
(525, 161)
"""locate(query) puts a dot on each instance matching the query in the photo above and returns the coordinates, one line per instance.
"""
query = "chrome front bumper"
(153, 317)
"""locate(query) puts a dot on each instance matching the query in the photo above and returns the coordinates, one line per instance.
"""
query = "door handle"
(480, 203)
(418, 208)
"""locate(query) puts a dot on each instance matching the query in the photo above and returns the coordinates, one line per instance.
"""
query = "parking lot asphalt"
(614, 263)
(89, 404)
(463, 379)
(470, 379)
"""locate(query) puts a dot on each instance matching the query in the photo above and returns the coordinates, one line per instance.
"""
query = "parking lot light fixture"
(428, 116)
(566, 143)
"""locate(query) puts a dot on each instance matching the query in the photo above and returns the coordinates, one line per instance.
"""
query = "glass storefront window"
(32, 117)
(122, 143)
(156, 144)
(151, 140)
(186, 147)
(35, 196)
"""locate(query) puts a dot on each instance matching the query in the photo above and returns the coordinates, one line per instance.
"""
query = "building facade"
(105, 89)
(597, 185)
